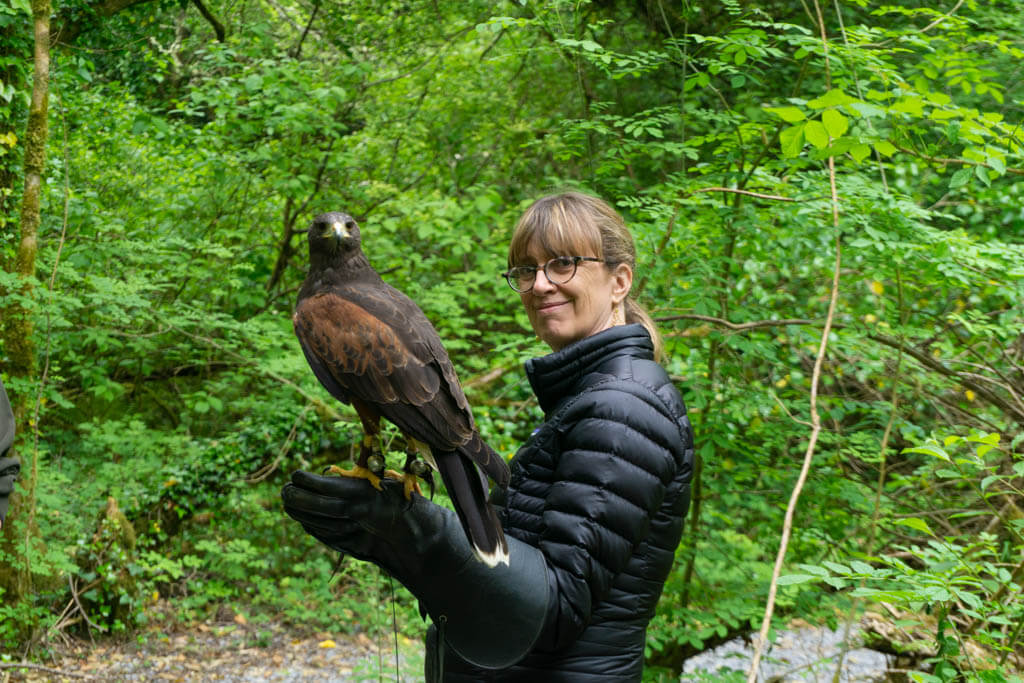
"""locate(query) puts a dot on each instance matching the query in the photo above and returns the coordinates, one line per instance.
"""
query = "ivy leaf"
(835, 123)
(816, 134)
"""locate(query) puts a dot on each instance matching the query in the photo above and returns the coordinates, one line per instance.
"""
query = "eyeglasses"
(558, 271)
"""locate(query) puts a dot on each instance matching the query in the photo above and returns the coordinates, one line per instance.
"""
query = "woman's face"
(565, 313)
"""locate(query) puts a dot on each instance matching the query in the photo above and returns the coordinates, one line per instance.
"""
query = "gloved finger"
(336, 487)
(314, 508)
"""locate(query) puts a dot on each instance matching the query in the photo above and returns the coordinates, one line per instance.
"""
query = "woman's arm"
(621, 449)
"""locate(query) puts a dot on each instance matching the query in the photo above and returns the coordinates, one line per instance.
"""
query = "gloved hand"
(382, 527)
(490, 616)
(9, 467)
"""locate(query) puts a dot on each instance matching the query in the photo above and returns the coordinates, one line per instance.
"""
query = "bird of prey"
(370, 345)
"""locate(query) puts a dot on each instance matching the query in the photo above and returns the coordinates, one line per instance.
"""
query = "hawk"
(371, 346)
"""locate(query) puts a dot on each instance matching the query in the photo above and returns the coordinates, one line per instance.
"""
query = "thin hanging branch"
(819, 361)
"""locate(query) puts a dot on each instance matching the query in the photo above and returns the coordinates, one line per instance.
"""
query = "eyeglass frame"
(508, 274)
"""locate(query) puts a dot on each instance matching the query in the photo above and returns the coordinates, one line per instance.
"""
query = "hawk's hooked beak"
(336, 229)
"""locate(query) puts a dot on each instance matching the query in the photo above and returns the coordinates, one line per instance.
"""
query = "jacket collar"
(560, 374)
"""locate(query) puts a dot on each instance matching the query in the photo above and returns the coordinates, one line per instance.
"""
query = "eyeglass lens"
(558, 270)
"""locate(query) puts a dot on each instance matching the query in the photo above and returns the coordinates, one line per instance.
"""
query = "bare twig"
(736, 327)
(78, 603)
(218, 28)
(815, 380)
(959, 162)
(265, 471)
(945, 16)
(749, 193)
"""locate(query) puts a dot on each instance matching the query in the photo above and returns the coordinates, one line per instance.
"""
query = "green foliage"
(969, 579)
(175, 386)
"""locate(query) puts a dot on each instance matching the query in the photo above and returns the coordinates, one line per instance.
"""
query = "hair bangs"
(559, 227)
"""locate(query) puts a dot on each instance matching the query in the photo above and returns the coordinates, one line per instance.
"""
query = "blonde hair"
(577, 224)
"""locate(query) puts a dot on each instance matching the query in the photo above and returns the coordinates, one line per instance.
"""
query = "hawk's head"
(333, 232)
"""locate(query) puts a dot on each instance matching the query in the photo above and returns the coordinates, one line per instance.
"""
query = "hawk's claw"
(409, 482)
(359, 472)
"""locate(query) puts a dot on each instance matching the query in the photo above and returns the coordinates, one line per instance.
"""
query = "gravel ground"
(241, 652)
(805, 654)
(232, 653)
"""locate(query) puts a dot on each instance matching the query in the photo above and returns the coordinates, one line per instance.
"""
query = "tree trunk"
(15, 573)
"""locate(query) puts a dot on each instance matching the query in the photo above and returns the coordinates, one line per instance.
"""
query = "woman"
(596, 502)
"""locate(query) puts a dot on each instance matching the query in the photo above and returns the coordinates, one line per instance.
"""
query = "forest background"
(827, 202)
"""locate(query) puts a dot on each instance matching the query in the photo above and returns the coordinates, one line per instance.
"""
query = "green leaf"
(792, 579)
(885, 148)
(861, 567)
(836, 567)
(929, 449)
(860, 152)
(792, 140)
(833, 98)
(836, 582)
(998, 165)
(981, 173)
(835, 123)
(960, 178)
(909, 105)
(787, 114)
(915, 523)
(816, 134)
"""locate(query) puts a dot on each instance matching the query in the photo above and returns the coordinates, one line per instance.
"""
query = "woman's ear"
(622, 282)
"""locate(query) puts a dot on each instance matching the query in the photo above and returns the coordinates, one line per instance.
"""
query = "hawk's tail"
(467, 488)
(493, 465)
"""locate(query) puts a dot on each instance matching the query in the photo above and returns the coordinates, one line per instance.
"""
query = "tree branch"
(961, 162)
(737, 327)
(964, 378)
(218, 28)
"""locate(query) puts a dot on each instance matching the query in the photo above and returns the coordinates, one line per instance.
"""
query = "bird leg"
(411, 473)
(368, 466)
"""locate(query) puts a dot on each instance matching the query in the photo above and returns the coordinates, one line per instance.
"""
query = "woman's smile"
(550, 307)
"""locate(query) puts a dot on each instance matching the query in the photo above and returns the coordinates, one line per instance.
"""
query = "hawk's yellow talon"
(358, 472)
(410, 482)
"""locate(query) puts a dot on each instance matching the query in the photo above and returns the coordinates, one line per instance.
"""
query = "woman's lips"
(549, 307)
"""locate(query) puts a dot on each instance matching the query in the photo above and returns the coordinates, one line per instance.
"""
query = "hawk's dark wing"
(384, 357)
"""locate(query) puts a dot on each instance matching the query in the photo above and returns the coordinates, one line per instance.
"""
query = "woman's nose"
(541, 281)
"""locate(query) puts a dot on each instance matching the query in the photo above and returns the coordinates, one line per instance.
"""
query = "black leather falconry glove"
(9, 467)
(490, 616)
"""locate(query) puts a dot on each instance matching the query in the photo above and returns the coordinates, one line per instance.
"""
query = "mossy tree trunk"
(18, 341)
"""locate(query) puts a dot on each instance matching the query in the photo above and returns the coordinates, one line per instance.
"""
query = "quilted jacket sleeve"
(621, 446)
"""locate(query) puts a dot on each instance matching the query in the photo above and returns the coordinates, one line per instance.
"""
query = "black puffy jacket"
(601, 488)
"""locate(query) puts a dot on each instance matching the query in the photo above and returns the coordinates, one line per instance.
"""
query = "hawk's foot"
(358, 472)
(409, 481)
